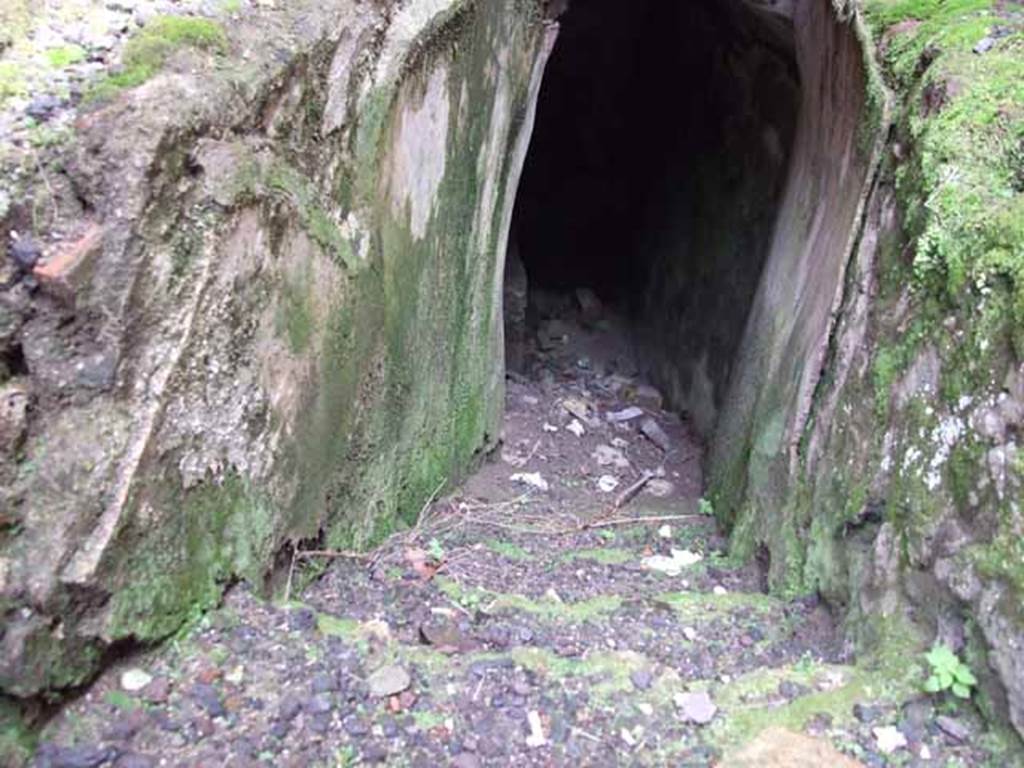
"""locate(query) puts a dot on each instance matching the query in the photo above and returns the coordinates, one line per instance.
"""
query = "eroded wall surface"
(868, 448)
(283, 320)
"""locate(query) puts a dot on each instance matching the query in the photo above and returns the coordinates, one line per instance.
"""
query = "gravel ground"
(521, 626)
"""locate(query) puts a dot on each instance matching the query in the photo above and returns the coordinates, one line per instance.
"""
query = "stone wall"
(280, 319)
(868, 447)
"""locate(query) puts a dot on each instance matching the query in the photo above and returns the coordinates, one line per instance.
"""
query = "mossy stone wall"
(306, 322)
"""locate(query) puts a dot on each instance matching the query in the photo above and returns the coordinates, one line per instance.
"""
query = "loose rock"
(653, 432)
(953, 728)
(889, 739)
(695, 707)
(388, 681)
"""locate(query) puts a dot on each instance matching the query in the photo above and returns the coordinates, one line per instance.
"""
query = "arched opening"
(653, 180)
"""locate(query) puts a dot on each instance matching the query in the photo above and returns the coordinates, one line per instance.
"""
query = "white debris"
(674, 565)
(889, 739)
(550, 427)
(628, 414)
(627, 736)
(553, 596)
(660, 488)
(695, 707)
(607, 483)
(665, 532)
(533, 479)
(134, 680)
(576, 408)
(606, 456)
(536, 738)
(576, 428)
(719, 590)
(690, 633)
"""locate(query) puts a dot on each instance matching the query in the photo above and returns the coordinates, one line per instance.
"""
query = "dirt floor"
(571, 604)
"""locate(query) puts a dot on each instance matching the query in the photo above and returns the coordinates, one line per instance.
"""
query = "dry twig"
(639, 521)
(340, 554)
(630, 493)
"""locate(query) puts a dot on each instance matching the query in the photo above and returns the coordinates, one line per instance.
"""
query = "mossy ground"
(146, 53)
(601, 673)
(960, 188)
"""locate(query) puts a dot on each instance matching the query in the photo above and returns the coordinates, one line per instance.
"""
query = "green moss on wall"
(17, 742)
(64, 55)
(172, 570)
(294, 318)
(964, 120)
(305, 197)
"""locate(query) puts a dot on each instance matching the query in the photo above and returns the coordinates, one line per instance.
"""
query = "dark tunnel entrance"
(655, 170)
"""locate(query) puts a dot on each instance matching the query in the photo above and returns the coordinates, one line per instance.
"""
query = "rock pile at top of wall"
(267, 310)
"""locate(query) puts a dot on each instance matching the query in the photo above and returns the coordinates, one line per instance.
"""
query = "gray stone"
(653, 432)
(641, 679)
(25, 252)
(14, 402)
(319, 704)
(867, 713)
(388, 681)
(135, 760)
(207, 697)
(984, 45)
(953, 728)
(695, 707)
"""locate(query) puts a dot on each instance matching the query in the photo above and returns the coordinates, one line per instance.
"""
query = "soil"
(517, 626)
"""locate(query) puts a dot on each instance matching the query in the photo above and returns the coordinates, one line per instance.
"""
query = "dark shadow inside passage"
(656, 166)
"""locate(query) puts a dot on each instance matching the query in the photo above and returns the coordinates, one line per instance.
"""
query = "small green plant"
(436, 550)
(64, 56)
(121, 700)
(345, 757)
(705, 507)
(948, 673)
(805, 664)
